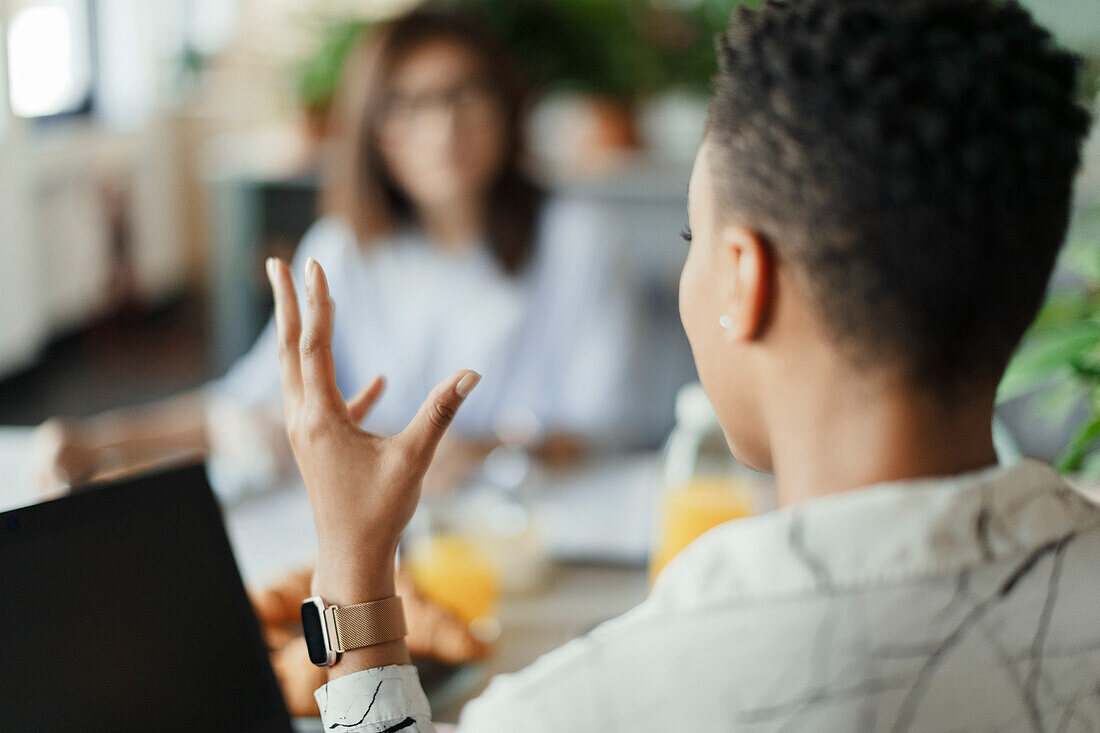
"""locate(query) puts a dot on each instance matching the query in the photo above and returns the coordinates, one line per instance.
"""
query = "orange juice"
(456, 574)
(690, 509)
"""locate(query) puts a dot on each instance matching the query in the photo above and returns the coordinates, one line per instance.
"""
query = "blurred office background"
(152, 153)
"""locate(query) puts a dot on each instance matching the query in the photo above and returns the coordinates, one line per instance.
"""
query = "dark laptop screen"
(121, 608)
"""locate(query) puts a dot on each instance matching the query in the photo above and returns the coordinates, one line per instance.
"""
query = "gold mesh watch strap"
(366, 624)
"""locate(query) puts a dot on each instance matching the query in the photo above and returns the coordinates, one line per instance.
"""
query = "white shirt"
(967, 603)
(551, 343)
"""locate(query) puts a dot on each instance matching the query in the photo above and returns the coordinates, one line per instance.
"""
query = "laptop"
(121, 608)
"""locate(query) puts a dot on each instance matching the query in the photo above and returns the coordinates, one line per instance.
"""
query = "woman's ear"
(749, 294)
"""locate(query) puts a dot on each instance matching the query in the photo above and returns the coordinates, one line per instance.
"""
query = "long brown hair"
(356, 184)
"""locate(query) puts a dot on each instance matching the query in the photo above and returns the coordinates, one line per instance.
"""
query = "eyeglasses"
(468, 100)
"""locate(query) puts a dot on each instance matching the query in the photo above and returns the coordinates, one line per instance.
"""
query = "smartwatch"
(331, 630)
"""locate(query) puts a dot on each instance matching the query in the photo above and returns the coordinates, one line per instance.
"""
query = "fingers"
(360, 405)
(426, 429)
(288, 325)
(318, 371)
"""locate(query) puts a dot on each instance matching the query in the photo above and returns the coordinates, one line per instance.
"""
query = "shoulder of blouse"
(328, 237)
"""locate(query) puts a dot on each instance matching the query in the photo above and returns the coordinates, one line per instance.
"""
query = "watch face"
(313, 626)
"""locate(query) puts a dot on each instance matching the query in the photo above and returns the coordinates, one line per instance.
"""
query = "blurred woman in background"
(442, 250)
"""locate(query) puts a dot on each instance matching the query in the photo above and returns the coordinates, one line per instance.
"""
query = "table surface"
(577, 598)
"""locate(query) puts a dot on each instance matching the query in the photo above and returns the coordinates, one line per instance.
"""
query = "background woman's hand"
(61, 454)
(363, 487)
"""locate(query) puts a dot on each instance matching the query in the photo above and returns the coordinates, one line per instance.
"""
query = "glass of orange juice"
(704, 484)
(689, 510)
(454, 572)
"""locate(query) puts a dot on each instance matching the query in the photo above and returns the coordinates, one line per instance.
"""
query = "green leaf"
(319, 73)
(1045, 354)
(1082, 442)
(1090, 467)
(1064, 309)
(1059, 398)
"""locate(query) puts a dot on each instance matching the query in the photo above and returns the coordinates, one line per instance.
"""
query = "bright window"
(49, 58)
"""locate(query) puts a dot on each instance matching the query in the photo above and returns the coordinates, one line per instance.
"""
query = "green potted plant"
(1059, 360)
(614, 52)
(318, 74)
(592, 47)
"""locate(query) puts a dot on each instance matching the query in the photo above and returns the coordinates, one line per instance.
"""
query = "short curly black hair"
(913, 160)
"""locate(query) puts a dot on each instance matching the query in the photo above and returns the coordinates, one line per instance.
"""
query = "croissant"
(281, 603)
(434, 633)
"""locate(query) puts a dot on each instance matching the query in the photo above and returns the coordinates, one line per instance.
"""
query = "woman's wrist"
(342, 579)
(370, 657)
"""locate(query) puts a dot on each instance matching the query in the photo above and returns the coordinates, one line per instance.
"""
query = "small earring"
(725, 321)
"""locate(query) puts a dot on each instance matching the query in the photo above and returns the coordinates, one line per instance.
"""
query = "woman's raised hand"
(363, 487)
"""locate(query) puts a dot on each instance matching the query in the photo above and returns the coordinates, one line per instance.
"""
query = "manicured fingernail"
(310, 268)
(466, 385)
(270, 267)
